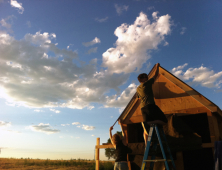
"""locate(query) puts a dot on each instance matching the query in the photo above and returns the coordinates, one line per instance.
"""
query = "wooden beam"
(97, 154)
(179, 161)
(104, 146)
(188, 111)
(216, 127)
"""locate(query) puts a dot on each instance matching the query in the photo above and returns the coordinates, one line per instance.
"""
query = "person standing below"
(119, 144)
(150, 111)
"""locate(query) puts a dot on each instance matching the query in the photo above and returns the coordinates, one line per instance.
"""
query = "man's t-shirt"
(145, 93)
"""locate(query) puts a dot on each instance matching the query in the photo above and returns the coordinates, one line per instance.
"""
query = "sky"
(68, 68)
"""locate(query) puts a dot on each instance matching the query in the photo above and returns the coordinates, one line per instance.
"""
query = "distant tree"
(110, 152)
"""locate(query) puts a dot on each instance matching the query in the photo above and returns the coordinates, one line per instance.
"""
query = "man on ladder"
(152, 114)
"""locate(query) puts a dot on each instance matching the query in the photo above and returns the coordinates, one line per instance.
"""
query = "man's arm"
(157, 71)
(110, 136)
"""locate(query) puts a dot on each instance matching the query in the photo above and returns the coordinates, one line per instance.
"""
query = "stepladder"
(156, 137)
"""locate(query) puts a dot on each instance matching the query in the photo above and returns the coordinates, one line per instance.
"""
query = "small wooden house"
(198, 119)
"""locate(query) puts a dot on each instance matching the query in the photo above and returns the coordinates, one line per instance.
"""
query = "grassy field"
(40, 164)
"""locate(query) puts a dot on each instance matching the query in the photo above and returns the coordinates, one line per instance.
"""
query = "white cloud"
(54, 110)
(135, 42)
(87, 127)
(202, 75)
(102, 19)
(94, 41)
(4, 23)
(75, 123)
(44, 128)
(40, 39)
(92, 135)
(92, 50)
(37, 110)
(15, 4)
(34, 72)
(120, 9)
(123, 99)
(65, 124)
(5, 124)
(69, 46)
(183, 30)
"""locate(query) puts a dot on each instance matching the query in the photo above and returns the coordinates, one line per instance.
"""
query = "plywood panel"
(170, 97)
(211, 106)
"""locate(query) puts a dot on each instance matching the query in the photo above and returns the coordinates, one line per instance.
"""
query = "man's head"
(116, 138)
(142, 77)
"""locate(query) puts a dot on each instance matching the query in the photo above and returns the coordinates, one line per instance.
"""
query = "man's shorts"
(152, 112)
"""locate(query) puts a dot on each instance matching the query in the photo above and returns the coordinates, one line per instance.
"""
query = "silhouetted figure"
(150, 111)
(120, 145)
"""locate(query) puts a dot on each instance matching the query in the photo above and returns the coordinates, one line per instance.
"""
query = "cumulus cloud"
(5, 124)
(183, 30)
(123, 99)
(94, 41)
(15, 4)
(87, 127)
(102, 19)
(44, 128)
(34, 72)
(75, 123)
(120, 9)
(92, 50)
(54, 110)
(134, 43)
(202, 75)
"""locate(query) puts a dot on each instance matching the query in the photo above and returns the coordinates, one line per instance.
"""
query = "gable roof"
(172, 95)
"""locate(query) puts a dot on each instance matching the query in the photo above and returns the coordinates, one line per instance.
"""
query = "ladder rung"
(157, 160)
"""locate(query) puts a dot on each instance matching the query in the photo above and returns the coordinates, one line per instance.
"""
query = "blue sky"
(68, 68)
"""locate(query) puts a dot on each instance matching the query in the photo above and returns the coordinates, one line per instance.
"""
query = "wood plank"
(97, 154)
(197, 96)
(129, 107)
(208, 145)
(188, 111)
(135, 119)
(216, 127)
(220, 127)
(104, 146)
(134, 111)
(179, 161)
(211, 128)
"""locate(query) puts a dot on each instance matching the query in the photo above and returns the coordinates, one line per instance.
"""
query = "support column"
(97, 153)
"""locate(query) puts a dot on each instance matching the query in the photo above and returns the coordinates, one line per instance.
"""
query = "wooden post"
(179, 162)
(97, 153)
